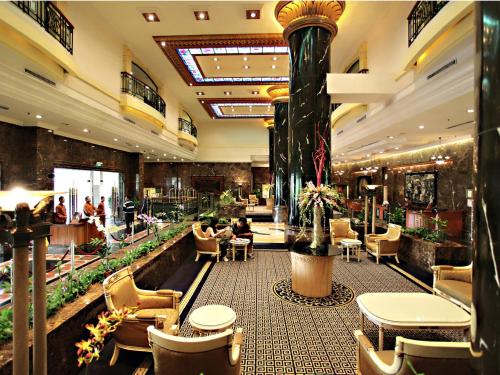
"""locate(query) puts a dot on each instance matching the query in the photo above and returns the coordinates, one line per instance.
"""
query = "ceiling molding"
(170, 44)
(209, 105)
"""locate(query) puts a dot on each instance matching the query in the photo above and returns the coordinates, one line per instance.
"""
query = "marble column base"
(280, 214)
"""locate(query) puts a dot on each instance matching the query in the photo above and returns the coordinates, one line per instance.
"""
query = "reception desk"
(81, 233)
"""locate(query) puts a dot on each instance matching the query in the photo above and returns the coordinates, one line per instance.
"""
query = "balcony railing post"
(421, 14)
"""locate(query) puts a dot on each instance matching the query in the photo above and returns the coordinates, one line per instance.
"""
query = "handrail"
(421, 14)
(137, 88)
(48, 16)
(188, 127)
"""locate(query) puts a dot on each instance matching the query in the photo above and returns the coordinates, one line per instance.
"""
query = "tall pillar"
(309, 29)
(279, 95)
(485, 330)
(270, 129)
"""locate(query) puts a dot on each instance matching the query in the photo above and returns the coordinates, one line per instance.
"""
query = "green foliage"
(206, 216)
(397, 215)
(226, 198)
(76, 283)
(224, 220)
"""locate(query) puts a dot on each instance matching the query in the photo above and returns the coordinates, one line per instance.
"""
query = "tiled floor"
(268, 233)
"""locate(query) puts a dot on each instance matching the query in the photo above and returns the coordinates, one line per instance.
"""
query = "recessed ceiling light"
(38, 116)
(202, 102)
(250, 108)
(137, 146)
(275, 58)
(163, 44)
(246, 67)
(391, 137)
(216, 59)
(200, 93)
(147, 157)
(218, 67)
(396, 148)
(182, 159)
(381, 152)
(116, 139)
(421, 126)
(85, 130)
(65, 140)
(245, 58)
(268, 108)
(255, 92)
(273, 66)
(151, 17)
(227, 92)
(158, 159)
(201, 15)
(470, 110)
(175, 157)
(253, 14)
(164, 154)
(190, 84)
(232, 109)
(50, 131)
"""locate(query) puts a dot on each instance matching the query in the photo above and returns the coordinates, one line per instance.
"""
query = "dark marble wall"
(28, 156)
(452, 182)
(161, 174)
(261, 175)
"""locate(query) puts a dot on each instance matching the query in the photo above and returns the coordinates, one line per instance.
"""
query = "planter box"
(66, 327)
(422, 255)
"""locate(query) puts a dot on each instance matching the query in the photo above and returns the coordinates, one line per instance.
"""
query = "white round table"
(241, 243)
(212, 318)
(353, 246)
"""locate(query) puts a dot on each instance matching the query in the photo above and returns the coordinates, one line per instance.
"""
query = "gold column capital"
(278, 94)
(296, 14)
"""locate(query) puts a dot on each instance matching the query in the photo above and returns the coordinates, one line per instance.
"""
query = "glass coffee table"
(411, 311)
(211, 319)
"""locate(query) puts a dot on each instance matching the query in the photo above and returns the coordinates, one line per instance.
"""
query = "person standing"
(88, 207)
(101, 212)
(128, 209)
(61, 216)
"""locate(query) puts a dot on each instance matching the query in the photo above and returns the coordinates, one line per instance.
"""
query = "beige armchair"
(252, 199)
(120, 291)
(414, 357)
(386, 244)
(340, 229)
(454, 284)
(218, 354)
(204, 245)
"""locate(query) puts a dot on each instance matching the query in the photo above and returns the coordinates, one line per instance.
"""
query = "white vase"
(317, 229)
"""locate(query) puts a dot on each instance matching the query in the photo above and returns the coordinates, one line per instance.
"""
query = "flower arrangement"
(108, 321)
(151, 223)
(312, 202)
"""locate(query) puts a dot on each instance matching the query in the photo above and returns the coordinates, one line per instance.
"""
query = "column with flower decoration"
(309, 27)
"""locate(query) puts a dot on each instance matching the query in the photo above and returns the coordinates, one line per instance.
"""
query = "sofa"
(454, 283)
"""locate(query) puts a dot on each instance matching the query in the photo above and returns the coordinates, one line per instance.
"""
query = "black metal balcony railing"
(132, 86)
(51, 19)
(420, 15)
(188, 127)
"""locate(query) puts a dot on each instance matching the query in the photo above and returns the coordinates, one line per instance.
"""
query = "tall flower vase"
(317, 229)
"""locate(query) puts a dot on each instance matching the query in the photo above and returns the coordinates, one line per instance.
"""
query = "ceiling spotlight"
(253, 14)
(421, 126)
(232, 109)
(246, 67)
(381, 152)
(470, 110)
(182, 159)
(255, 92)
(200, 93)
(163, 44)
(202, 102)
(391, 137)
(201, 15)
(147, 157)
(396, 148)
(65, 140)
(85, 130)
(50, 131)
(190, 84)
(268, 108)
(218, 67)
(175, 157)
(116, 139)
(275, 58)
(151, 17)
(164, 154)
(216, 59)
(227, 92)
(38, 116)
(273, 66)
(137, 146)
(158, 159)
(245, 58)
(250, 108)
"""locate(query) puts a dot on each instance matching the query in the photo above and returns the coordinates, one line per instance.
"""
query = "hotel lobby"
(258, 187)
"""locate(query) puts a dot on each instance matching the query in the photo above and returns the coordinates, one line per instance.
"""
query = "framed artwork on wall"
(421, 188)
(208, 184)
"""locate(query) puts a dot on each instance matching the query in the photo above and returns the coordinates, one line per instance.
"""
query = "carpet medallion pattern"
(341, 295)
(287, 338)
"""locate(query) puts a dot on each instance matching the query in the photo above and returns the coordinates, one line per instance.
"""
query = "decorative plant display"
(436, 234)
(176, 214)
(108, 321)
(101, 248)
(312, 202)
(151, 223)
(76, 283)
(226, 198)
(397, 215)
(161, 216)
(206, 216)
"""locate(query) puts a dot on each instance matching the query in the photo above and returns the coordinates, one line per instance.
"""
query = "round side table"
(353, 246)
(241, 243)
(211, 319)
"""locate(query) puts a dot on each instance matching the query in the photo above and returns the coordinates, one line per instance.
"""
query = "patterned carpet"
(284, 338)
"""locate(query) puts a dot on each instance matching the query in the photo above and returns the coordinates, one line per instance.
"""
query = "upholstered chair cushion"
(459, 290)
(123, 293)
(464, 275)
(341, 228)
